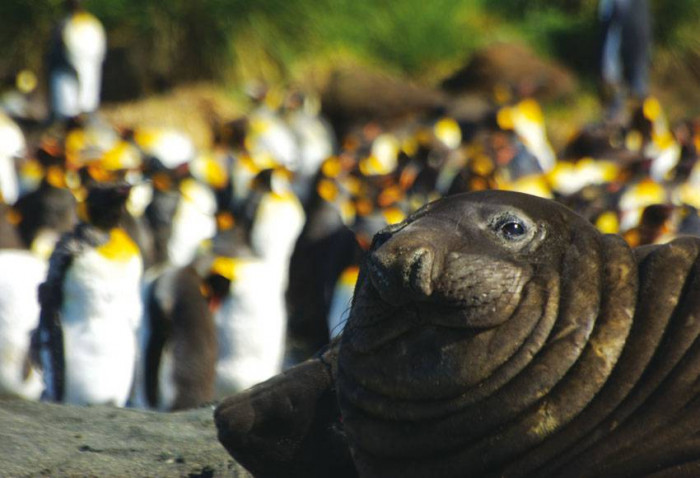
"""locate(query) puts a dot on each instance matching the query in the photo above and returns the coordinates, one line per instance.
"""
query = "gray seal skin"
(496, 334)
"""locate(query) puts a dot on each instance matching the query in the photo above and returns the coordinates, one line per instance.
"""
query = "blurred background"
(265, 143)
(155, 46)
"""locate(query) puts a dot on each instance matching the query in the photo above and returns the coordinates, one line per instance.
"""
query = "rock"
(357, 95)
(514, 66)
(41, 439)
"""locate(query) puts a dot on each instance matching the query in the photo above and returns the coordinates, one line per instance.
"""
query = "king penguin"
(91, 306)
(249, 313)
(13, 147)
(52, 205)
(177, 343)
(213, 327)
(77, 51)
(22, 272)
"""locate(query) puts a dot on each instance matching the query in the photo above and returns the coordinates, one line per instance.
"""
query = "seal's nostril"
(420, 271)
(401, 270)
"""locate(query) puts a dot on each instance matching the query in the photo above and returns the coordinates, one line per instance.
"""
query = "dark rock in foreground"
(40, 439)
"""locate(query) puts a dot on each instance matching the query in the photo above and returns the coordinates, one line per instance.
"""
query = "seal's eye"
(511, 228)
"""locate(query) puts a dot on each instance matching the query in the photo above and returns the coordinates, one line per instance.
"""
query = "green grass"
(278, 40)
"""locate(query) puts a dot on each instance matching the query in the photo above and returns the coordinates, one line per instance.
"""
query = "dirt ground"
(60, 441)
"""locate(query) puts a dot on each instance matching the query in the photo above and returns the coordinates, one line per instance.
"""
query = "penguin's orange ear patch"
(349, 276)
(13, 216)
(225, 221)
(81, 210)
(120, 247)
(161, 181)
(225, 267)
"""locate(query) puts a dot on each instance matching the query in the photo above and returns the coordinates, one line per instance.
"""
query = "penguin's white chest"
(278, 223)
(193, 222)
(251, 326)
(100, 313)
(20, 275)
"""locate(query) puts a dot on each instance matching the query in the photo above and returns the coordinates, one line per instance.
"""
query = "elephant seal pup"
(496, 334)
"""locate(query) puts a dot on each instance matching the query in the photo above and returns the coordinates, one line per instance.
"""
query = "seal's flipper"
(288, 426)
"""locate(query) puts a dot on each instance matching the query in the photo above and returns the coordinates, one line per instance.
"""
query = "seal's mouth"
(439, 348)
(457, 291)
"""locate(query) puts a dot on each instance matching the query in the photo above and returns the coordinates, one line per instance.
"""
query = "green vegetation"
(277, 39)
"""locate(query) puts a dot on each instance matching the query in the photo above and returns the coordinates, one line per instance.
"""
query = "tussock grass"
(235, 41)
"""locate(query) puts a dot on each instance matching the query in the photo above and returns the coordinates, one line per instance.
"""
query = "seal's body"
(498, 334)
(480, 327)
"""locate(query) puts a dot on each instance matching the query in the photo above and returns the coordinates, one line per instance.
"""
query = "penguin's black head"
(263, 181)
(73, 5)
(105, 204)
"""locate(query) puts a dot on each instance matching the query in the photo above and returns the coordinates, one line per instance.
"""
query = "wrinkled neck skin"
(459, 329)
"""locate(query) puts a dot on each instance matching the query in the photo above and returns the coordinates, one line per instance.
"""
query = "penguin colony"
(140, 271)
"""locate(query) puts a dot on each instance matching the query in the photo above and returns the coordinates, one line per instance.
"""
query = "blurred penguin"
(122, 161)
(655, 226)
(689, 220)
(22, 272)
(77, 51)
(635, 197)
(650, 130)
(19, 97)
(276, 218)
(526, 120)
(250, 317)
(178, 343)
(91, 306)
(13, 147)
(325, 247)
(268, 134)
(315, 139)
(339, 310)
(214, 327)
(365, 227)
(48, 211)
(182, 211)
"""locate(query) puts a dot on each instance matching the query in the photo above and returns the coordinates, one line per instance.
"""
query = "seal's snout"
(402, 269)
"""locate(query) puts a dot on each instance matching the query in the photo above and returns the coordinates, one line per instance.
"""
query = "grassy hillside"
(277, 40)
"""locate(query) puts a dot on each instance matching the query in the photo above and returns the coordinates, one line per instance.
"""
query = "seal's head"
(468, 256)
(451, 304)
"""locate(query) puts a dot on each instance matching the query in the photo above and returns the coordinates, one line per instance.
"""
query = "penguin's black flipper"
(288, 426)
(159, 330)
(47, 340)
(159, 306)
